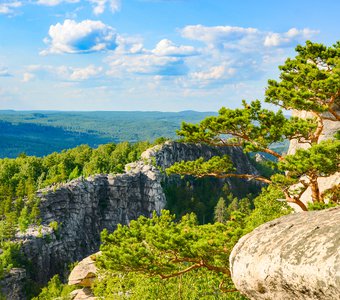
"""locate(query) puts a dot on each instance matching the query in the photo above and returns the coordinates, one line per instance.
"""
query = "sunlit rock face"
(82, 208)
(293, 257)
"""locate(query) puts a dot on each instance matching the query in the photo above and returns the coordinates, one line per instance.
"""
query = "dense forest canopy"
(40, 133)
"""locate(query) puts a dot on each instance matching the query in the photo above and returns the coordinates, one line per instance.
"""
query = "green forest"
(184, 252)
(41, 133)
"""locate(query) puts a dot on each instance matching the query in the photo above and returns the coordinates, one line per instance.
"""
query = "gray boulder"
(293, 257)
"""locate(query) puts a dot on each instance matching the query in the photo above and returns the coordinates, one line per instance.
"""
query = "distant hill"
(42, 132)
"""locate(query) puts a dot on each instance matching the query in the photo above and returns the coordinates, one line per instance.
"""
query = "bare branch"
(296, 201)
(242, 176)
(192, 267)
(224, 290)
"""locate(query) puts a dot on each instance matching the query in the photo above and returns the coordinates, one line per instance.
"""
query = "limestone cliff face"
(172, 152)
(293, 257)
(83, 207)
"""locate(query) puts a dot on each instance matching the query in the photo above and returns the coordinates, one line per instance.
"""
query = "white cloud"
(288, 38)
(216, 34)
(85, 73)
(100, 5)
(55, 2)
(147, 64)
(214, 73)
(28, 77)
(84, 37)
(4, 72)
(166, 59)
(167, 48)
(7, 7)
(129, 45)
(62, 72)
(244, 39)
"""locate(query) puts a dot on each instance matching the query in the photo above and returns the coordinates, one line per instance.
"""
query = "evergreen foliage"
(21, 177)
(10, 257)
(55, 290)
(310, 82)
(161, 258)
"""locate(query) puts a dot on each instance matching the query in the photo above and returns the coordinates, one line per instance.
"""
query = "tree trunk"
(315, 188)
(318, 131)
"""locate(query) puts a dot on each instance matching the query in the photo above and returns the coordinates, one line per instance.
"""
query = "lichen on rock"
(293, 257)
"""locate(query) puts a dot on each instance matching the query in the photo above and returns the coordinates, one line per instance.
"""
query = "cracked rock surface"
(293, 257)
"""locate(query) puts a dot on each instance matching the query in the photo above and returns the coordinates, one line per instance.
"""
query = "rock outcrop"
(83, 276)
(74, 214)
(293, 257)
(13, 285)
(328, 132)
(84, 272)
(330, 128)
(166, 155)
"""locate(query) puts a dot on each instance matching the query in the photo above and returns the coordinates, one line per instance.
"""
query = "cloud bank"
(288, 38)
(4, 72)
(8, 7)
(84, 37)
(99, 6)
(55, 2)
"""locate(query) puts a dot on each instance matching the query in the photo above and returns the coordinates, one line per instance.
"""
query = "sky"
(164, 55)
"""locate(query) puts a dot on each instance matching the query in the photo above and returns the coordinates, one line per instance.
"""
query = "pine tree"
(309, 82)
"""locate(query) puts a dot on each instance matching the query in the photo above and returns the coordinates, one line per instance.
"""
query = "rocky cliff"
(293, 257)
(74, 214)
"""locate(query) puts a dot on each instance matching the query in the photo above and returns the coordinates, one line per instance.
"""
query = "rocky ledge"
(293, 257)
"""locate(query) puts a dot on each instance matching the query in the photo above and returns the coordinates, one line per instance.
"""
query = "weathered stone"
(13, 285)
(293, 257)
(82, 294)
(83, 208)
(84, 273)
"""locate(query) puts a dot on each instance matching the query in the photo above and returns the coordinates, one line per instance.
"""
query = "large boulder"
(293, 257)
(84, 275)
(85, 272)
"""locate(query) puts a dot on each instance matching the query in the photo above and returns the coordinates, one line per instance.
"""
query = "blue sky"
(166, 55)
